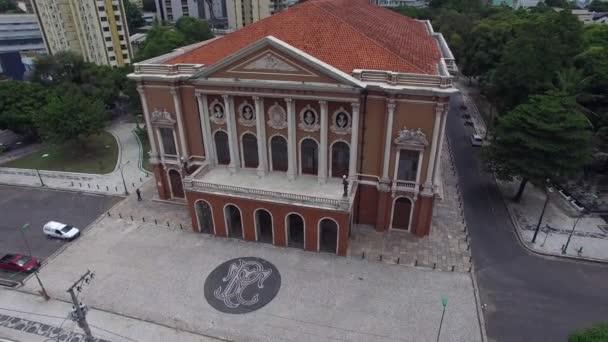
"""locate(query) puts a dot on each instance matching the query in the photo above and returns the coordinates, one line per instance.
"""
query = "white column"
(203, 107)
(437, 171)
(292, 155)
(231, 127)
(428, 183)
(160, 144)
(390, 108)
(180, 123)
(354, 142)
(260, 126)
(144, 105)
(323, 151)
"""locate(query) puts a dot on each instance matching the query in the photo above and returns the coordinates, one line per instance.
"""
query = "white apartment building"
(244, 12)
(214, 11)
(96, 29)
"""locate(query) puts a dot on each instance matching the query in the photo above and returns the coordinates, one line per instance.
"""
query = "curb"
(119, 156)
(517, 229)
(141, 154)
(62, 189)
(480, 318)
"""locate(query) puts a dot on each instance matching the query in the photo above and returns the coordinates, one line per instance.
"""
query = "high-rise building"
(96, 29)
(213, 11)
(244, 12)
(20, 40)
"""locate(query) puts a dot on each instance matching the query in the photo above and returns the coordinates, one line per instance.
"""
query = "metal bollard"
(380, 257)
(119, 215)
(398, 260)
(580, 251)
(80, 184)
(107, 189)
(97, 186)
(143, 219)
(133, 184)
(434, 265)
(72, 183)
(363, 255)
(470, 268)
(108, 214)
(181, 227)
(131, 217)
(89, 185)
(155, 222)
(140, 180)
(115, 188)
(168, 224)
(468, 247)
(470, 259)
(452, 268)
(416, 262)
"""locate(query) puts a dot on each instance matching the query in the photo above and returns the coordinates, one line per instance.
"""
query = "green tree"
(134, 16)
(149, 5)
(557, 3)
(545, 137)
(19, 101)
(598, 6)
(598, 333)
(160, 40)
(414, 12)
(7, 6)
(194, 30)
(70, 116)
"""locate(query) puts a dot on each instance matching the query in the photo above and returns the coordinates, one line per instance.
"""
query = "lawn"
(145, 146)
(100, 156)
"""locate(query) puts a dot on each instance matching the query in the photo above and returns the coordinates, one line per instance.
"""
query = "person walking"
(138, 194)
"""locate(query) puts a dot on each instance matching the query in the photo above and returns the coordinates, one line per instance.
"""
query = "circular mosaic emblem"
(242, 285)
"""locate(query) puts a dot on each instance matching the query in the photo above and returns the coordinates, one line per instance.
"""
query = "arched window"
(234, 223)
(263, 225)
(340, 155)
(204, 217)
(221, 147)
(177, 187)
(295, 231)
(250, 150)
(328, 236)
(278, 147)
(309, 157)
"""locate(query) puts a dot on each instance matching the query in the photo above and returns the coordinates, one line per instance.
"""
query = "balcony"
(305, 190)
(405, 186)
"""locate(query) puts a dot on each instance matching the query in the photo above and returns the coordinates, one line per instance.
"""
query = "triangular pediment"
(271, 59)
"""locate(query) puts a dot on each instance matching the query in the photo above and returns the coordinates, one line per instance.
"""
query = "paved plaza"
(590, 234)
(158, 274)
(447, 246)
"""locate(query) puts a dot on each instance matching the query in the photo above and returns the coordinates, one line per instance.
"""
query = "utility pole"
(444, 302)
(565, 247)
(43, 292)
(123, 178)
(40, 178)
(79, 314)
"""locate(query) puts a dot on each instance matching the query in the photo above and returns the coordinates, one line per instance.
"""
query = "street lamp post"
(39, 177)
(565, 248)
(43, 292)
(444, 302)
(542, 213)
(123, 178)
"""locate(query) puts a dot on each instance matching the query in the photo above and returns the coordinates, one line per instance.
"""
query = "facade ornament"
(340, 122)
(217, 112)
(412, 138)
(270, 62)
(277, 116)
(309, 119)
(162, 117)
(246, 114)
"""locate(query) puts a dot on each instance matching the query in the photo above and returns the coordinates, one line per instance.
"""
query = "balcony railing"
(405, 186)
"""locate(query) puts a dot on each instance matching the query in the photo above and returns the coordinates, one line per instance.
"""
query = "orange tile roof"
(347, 34)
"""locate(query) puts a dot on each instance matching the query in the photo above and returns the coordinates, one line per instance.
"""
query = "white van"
(60, 230)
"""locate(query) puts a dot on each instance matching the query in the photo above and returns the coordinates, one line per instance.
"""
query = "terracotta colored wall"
(159, 98)
(372, 147)
(269, 102)
(311, 217)
(192, 122)
(162, 184)
(367, 204)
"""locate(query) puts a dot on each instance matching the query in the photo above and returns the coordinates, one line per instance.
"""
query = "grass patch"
(142, 135)
(100, 156)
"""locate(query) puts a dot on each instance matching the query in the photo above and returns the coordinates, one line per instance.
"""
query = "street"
(528, 297)
(37, 206)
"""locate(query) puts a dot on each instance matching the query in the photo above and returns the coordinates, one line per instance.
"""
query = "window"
(221, 148)
(106, 29)
(103, 19)
(309, 157)
(110, 48)
(278, 147)
(112, 58)
(108, 39)
(340, 156)
(168, 141)
(250, 150)
(407, 167)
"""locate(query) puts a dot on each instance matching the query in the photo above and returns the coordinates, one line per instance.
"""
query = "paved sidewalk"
(28, 318)
(591, 233)
(111, 183)
(322, 297)
(447, 246)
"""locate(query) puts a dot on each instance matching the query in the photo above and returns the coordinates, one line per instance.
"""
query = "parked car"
(60, 230)
(19, 263)
(476, 140)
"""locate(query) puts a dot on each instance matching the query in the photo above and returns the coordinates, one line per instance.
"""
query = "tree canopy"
(134, 16)
(545, 137)
(598, 6)
(19, 101)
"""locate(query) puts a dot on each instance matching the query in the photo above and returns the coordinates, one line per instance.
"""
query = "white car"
(60, 230)
(476, 140)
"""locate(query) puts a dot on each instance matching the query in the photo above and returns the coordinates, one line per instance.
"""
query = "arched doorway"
(328, 236)
(278, 148)
(222, 150)
(234, 224)
(177, 188)
(204, 217)
(402, 211)
(263, 225)
(340, 155)
(309, 157)
(250, 150)
(295, 231)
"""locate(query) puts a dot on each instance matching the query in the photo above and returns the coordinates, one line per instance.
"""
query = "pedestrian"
(138, 194)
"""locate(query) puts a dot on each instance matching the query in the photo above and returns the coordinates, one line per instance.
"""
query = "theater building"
(295, 128)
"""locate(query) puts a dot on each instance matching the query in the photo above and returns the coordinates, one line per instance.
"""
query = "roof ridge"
(366, 36)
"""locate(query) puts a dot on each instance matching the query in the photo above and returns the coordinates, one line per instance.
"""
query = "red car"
(19, 263)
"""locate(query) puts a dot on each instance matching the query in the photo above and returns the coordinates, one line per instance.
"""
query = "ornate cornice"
(412, 138)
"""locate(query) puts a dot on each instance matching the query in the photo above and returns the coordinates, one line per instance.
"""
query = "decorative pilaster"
(144, 105)
(437, 171)
(261, 130)
(323, 152)
(390, 112)
(231, 127)
(291, 140)
(354, 142)
(203, 107)
(428, 183)
(180, 123)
